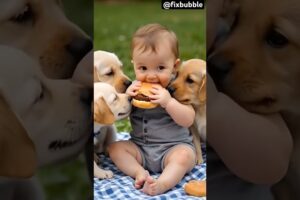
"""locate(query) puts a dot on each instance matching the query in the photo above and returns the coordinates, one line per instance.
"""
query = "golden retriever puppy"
(40, 28)
(257, 65)
(54, 114)
(109, 106)
(190, 88)
(108, 69)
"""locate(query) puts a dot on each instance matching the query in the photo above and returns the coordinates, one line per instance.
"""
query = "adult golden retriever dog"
(257, 64)
(40, 28)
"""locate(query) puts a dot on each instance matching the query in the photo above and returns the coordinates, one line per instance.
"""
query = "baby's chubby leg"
(127, 157)
(178, 161)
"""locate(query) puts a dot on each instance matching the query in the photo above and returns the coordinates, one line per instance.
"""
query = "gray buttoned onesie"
(155, 133)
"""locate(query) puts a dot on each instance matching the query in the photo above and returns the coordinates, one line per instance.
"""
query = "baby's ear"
(102, 113)
(176, 66)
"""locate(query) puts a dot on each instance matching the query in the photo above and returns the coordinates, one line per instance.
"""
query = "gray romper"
(155, 133)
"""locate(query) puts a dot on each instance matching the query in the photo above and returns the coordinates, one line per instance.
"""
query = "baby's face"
(155, 67)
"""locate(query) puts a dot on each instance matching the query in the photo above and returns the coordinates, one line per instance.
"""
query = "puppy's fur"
(108, 69)
(56, 119)
(190, 88)
(109, 106)
(258, 66)
(40, 28)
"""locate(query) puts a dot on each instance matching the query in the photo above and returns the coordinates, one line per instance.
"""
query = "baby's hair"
(147, 37)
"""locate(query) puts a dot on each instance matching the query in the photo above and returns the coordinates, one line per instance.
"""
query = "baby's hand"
(132, 90)
(160, 95)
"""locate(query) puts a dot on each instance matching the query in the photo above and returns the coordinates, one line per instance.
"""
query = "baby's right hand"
(132, 90)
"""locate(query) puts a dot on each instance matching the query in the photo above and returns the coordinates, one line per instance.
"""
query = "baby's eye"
(143, 68)
(160, 68)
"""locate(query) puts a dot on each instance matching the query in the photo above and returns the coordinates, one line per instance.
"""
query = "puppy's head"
(107, 101)
(258, 62)
(190, 85)
(108, 69)
(40, 28)
(54, 113)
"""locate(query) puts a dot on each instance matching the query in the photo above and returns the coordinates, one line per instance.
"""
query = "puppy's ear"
(96, 75)
(202, 90)
(17, 153)
(102, 113)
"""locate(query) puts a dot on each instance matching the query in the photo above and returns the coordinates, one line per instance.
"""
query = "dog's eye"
(40, 97)
(189, 80)
(116, 98)
(110, 73)
(25, 15)
(276, 39)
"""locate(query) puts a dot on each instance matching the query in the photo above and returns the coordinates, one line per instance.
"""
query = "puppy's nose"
(219, 67)
(171, 89)
(129, 98)
(86, 96)
(127, 83)
(79, 47)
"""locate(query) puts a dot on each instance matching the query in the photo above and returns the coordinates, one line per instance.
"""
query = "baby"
(160, 140)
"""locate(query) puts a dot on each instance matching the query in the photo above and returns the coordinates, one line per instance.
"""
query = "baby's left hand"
(160, 95)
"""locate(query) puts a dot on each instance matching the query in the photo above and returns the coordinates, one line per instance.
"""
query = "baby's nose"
(151, 77)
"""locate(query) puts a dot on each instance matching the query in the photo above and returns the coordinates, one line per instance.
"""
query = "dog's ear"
(102, 113)
(202, 89)
(96, 75)
(17, 153)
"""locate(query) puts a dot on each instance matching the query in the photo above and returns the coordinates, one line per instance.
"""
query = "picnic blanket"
(121, 187)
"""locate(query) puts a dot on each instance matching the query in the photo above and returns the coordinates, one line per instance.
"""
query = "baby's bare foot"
(153, 187)
(140, 178)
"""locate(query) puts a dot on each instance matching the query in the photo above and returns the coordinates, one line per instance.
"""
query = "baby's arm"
(255, 147)
(183, 115)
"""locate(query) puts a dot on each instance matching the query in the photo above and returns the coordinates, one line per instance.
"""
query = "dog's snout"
(171, 89)
(79, 47)
(127, 83)
(219, 67)
(129, 98)
(86, 96)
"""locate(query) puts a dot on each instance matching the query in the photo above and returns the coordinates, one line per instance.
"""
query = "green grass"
(114, 25)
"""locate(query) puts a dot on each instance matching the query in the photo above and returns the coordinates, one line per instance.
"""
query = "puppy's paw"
(97, 160)
(101, 173)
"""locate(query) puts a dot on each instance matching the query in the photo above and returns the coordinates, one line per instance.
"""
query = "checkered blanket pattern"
(121, 187)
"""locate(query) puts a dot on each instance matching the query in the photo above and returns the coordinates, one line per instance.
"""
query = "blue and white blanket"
(121, 187)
